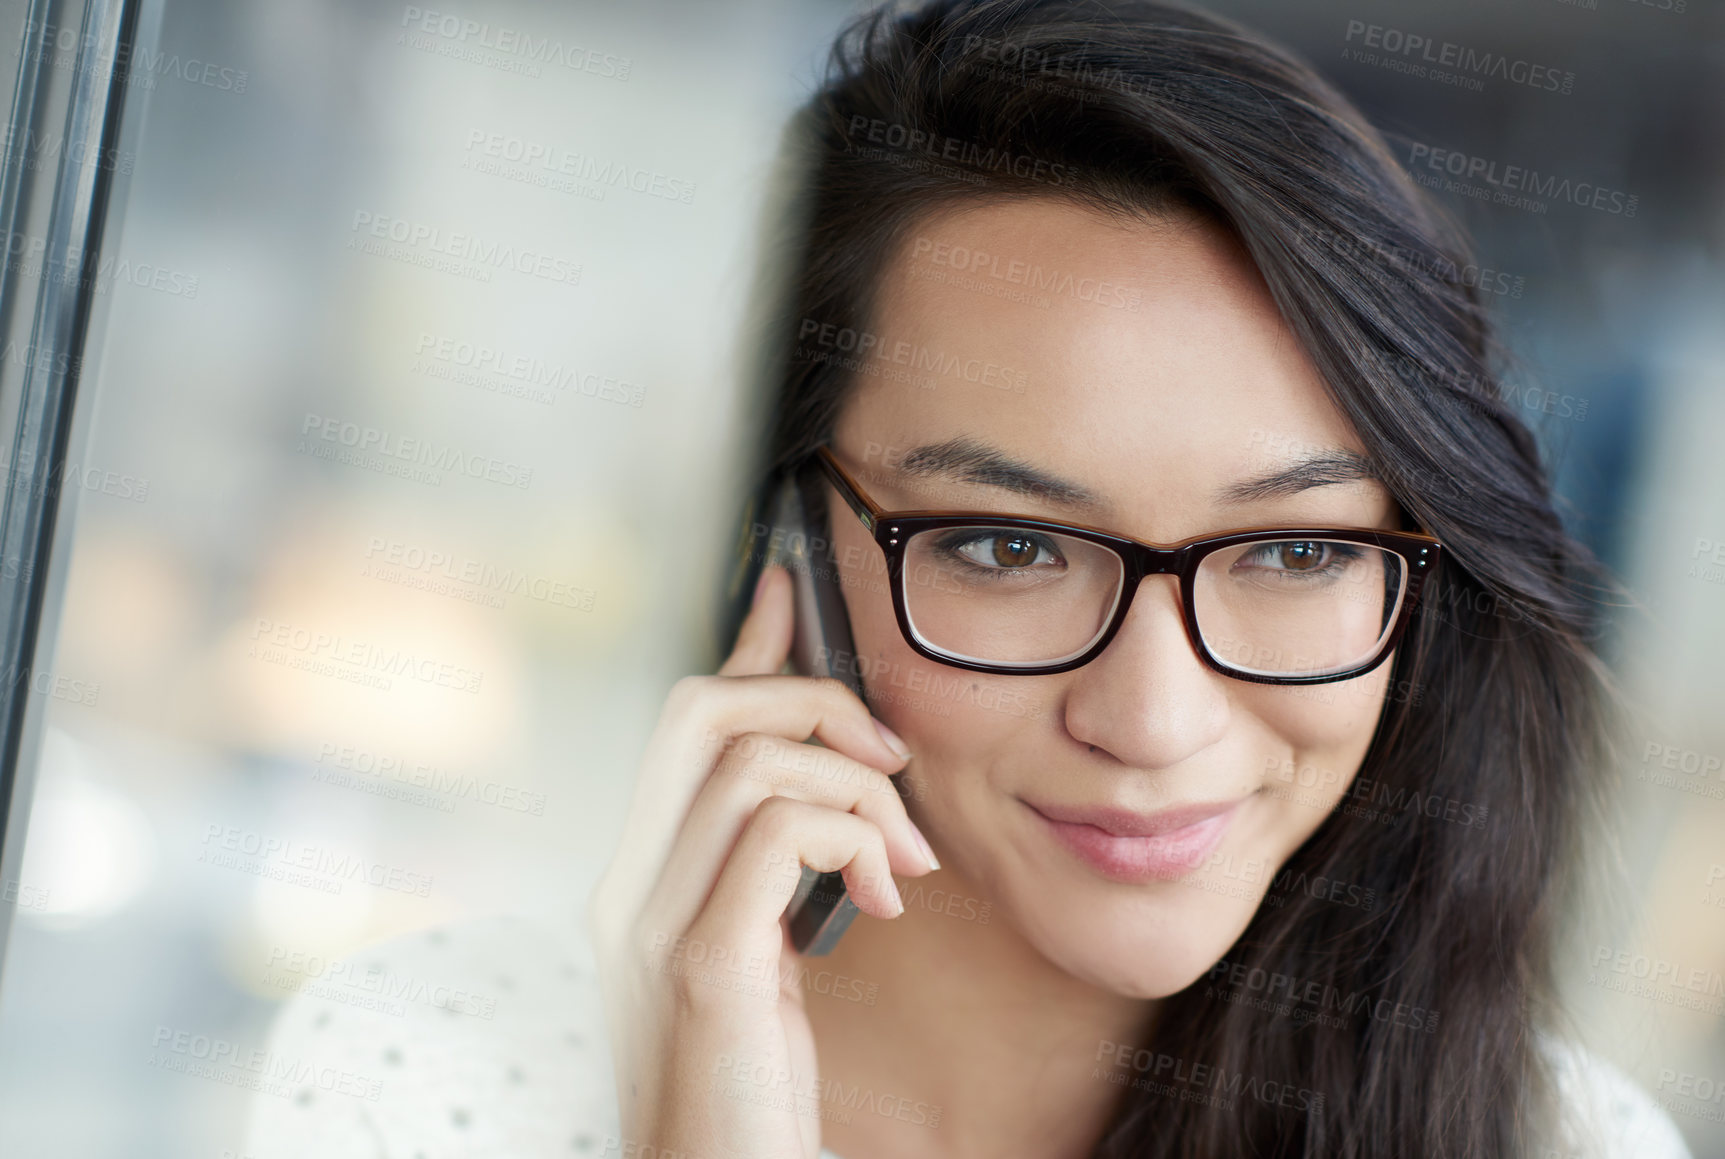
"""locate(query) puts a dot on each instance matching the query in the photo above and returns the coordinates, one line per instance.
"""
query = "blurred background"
(409, 441)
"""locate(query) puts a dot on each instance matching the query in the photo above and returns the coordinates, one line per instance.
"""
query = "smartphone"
(820, 910)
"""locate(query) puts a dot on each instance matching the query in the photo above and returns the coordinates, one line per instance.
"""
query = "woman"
(1252, 848)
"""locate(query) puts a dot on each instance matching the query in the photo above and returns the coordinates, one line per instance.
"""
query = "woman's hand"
(713, 1050)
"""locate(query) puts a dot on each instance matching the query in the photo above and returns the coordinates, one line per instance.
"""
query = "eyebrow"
(1317, 470)
(965, 460)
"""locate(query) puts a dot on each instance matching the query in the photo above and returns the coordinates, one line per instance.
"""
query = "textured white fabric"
(532, 1079)
(487, 1039)
(1609, 1114)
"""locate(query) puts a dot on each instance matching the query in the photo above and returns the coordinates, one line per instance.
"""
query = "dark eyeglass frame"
(892, 531)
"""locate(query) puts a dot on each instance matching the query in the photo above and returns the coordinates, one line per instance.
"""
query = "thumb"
(764, 641)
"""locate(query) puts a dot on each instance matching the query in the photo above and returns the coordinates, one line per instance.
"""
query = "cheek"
(1338, 717)
(954, 720)
(1315, 739)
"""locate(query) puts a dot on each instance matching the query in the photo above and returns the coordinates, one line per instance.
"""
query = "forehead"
(1143, 358)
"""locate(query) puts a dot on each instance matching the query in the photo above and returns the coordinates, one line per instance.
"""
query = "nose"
(1149, 699)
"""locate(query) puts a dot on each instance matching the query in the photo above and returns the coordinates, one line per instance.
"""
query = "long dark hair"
(1469, 810)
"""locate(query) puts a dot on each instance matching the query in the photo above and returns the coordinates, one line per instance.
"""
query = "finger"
(758, 766)
(764, 640)
(701, 717)
(704, 715)
(742, 912)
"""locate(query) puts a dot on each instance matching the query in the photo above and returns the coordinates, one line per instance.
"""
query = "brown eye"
(1002, 550)
(1015, 550)
(1301, 555)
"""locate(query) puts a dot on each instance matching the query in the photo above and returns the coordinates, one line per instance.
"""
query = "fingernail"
(897, 901)
(922, 844)
(892, 740)
(760, 586)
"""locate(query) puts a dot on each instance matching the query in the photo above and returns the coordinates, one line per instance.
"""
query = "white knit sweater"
(488, 1040)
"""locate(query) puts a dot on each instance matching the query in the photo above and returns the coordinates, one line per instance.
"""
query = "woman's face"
(1155, 379)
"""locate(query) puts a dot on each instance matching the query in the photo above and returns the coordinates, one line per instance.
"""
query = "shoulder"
(488, 1033)
(484, 1037)
(1604, 1112)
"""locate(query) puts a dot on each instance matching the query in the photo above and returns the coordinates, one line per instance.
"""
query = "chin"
(1148, 946)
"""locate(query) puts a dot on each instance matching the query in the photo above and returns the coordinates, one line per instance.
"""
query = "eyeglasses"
(1017, 596)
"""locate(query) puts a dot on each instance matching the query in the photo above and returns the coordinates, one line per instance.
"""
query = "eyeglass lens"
(1271, 607)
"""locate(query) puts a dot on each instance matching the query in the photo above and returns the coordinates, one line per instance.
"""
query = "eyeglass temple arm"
(847, 487)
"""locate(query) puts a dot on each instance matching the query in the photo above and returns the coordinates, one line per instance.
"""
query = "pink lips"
(1136, 847)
